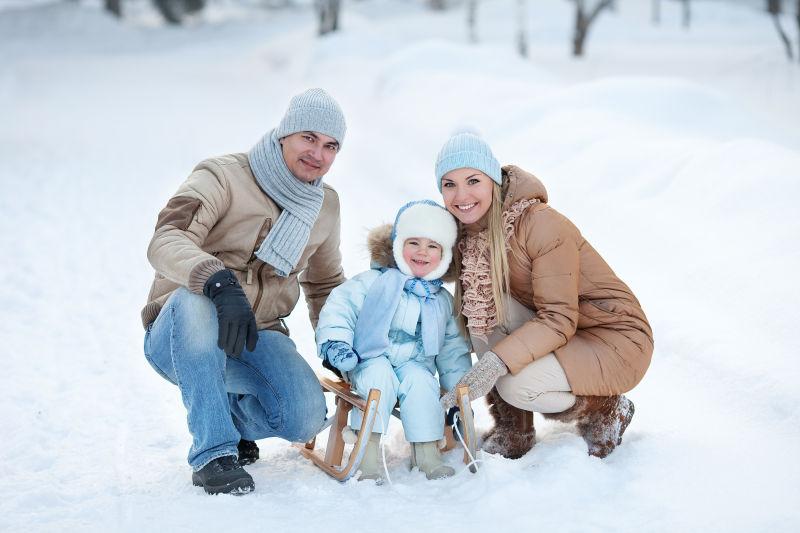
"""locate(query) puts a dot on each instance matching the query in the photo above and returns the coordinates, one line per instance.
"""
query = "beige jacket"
(217, 219)
(584, 312)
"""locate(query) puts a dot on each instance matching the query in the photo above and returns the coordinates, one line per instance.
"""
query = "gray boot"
(371, 462)
(426, 457)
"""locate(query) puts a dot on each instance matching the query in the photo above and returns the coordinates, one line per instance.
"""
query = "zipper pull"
(249, 276)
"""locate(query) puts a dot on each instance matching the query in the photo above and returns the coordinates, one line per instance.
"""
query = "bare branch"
(596, 11)
(775, 8)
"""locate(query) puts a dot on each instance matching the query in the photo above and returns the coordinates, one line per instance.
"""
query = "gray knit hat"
(313, 110)
(467, 150)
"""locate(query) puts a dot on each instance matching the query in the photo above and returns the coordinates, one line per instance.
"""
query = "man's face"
(308, 154)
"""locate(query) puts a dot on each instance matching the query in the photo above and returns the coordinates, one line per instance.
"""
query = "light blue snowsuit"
(404, 372)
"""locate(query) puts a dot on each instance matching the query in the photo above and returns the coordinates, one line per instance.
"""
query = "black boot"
(248, 452)
(223, 475)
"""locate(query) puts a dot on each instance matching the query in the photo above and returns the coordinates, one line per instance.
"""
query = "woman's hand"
(480, 379)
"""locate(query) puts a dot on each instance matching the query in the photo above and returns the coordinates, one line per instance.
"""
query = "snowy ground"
(676, 152)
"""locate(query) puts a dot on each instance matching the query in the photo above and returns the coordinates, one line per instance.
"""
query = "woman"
(559, 332)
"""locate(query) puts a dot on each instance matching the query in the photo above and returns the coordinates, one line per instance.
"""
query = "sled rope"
(472, 462)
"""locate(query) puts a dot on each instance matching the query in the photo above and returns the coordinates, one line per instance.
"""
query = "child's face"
(422, 255)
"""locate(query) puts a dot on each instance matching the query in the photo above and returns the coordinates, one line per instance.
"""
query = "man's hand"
(480, 379)
(340, 355)
(237, 323)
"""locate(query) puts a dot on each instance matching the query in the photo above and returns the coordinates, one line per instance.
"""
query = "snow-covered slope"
(675, 152)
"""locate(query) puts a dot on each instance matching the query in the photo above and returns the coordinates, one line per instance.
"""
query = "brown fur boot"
(513, 434)
(601, 421)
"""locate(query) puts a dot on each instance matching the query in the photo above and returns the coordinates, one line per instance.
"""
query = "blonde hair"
(498, 260)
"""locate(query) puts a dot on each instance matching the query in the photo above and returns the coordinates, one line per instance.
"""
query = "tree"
(174, 11)
(328, 12)
(775, 8)
(472, 16)
(687, 13)
(522, 35)
(797, 19)
(583, 21)
(655, 12)
(114, 7)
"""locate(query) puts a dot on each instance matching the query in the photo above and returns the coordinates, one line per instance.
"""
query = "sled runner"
(331, 462)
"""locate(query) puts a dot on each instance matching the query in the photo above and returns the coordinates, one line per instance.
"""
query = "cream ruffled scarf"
(478, 305)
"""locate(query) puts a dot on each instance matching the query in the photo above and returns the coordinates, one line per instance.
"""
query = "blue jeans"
(270, 392)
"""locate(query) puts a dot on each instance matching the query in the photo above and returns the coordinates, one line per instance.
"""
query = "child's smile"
(422, 255)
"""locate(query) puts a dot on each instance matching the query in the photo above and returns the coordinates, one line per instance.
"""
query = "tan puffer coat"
(584, 312)
(217, 219)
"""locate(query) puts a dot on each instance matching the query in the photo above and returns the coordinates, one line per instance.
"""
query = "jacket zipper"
(259, 279)
(267, 222)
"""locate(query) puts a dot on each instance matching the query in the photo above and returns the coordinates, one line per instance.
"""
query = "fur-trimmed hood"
(379, 244)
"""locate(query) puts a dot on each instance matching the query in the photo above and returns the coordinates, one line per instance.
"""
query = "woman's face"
(467, 194)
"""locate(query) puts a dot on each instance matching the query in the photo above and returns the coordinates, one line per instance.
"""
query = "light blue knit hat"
(467, 150)
(313, 110)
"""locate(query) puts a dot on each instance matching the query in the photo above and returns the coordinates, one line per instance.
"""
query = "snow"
(675, 151)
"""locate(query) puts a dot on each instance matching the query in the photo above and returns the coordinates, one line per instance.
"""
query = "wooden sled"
(331, 461)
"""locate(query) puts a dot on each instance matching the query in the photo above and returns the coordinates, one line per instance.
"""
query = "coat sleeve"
(175, 251)
(324, 271)
(552, 243)
(338, 317)
(455, 358)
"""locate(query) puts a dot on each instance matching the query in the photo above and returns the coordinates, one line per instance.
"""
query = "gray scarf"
(300, 202)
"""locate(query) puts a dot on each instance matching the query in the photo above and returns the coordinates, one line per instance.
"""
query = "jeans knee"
(194, 320)
(310, 417)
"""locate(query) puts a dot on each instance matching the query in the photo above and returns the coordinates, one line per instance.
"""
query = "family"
(555, 331)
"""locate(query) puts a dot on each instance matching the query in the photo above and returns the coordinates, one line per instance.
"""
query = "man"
(230, 250)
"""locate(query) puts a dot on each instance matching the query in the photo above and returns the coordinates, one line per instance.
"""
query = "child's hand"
(341, 355)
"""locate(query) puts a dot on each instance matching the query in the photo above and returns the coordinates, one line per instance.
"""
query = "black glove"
(237, 322)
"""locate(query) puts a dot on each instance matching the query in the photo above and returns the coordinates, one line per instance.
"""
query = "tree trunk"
(114, 7)
(656, 12)
(436, 5)
(328, 11)
(687, 13)
(580, 30)
(797, 19)
(522, 36)
(174, 11)
(774, 7)
(472, 15)
(583, 21)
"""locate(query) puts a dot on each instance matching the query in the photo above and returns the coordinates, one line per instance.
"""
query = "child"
(392, 327)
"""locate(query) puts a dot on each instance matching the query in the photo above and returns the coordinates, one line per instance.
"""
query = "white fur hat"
(424, 218)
